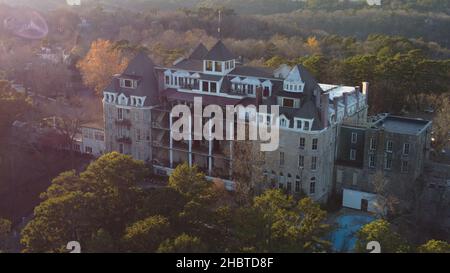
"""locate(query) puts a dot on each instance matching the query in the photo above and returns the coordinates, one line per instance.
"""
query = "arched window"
(297, 184)
(312, 186)
(281, 181)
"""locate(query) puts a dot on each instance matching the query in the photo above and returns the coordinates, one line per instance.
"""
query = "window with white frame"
(314, 163)
(312, 186)
(372, 161)
(352, 154)
(301, 161)
(302, 143)
(284, 122)
(120, 113)
(389, 146)
(388, 161)
(314, 145)
(373, 144)
(354, 137)
(406, 149)
(306, 125)
(405, 166)
(297, 184)
(127, 83)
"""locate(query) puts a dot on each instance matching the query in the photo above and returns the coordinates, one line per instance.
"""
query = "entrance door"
(364, 204)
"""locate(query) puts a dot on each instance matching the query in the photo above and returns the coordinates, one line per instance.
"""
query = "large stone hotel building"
(138, 103)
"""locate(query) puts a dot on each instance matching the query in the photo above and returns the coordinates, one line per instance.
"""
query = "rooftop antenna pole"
(220, 22)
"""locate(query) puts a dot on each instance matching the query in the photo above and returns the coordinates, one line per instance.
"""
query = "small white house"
(93, 138)
(359, 200)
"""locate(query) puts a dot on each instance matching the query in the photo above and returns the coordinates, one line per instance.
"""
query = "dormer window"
(209, 66)
(127, 83)
(218, 66)
(288, 102)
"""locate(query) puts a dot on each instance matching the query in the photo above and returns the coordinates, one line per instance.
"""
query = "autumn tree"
(100, 64)
(275, 222)
(184, 243)
(146, 235)
(382, 232)
(434, 246)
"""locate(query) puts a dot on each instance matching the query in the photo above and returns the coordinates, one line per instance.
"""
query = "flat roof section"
(402, 125)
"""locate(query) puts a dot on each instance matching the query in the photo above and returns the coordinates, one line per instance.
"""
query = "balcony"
(124, 140)
(123, 122)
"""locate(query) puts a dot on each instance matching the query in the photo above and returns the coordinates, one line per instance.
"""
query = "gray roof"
(262, 72)
(190, 65)
(402, 125)
(219, 52)
(199, 52)
(142, 69)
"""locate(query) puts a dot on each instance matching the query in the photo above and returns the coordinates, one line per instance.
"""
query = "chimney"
(358, 95)
(336, 107)
(345, 104)
(259, 95)
(116, 83)
(365, 91)
(325, 103)
(160, 79)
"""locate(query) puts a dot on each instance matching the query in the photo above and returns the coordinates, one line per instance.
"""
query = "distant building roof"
(402, 125)
(199, 52)
(262, 72)
(219, 52)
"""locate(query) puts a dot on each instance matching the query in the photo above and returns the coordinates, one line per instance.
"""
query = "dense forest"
(401, 44)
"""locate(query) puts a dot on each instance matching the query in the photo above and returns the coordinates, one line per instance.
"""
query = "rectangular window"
(299, 124)
(306, 126)
(314, 144)
(302, 143)
(388, 161)
(119, 113)
(138, 134)
(99, 136)
(167, 80)
(297, 185)
(406, 149)
(405, 165)
(289, 186)
(213, 88)
(218, 66)
(389, 145)
(372, 161)
(205, 86)
(312, 187)
(314, 163)
(250, 90)
(281, 158)
(127, 83)
(88, 150)
(209, 66)
(354, 138)
(288, 102)
(301, 161)
(373, 144)
(352, 154)
(121, 148)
